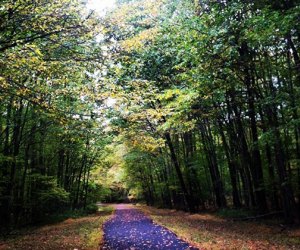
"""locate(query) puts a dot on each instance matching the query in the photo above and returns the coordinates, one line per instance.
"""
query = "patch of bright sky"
(101, 6)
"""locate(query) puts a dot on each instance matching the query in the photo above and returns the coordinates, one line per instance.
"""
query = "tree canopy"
(184, 104)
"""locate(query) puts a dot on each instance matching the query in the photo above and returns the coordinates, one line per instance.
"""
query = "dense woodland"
(184, 104)
(50, 130)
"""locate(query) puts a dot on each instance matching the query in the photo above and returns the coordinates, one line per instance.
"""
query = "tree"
(217, 83)
(49, 134)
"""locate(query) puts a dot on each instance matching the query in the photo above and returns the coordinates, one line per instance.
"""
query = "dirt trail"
(131, 229)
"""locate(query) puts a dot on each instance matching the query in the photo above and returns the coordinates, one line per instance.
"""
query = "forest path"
(133, 230)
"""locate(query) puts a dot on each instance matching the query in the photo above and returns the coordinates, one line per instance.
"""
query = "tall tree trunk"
(231, 166)
(208, 142)
(256, 165)
(238, 140)
(187, 202)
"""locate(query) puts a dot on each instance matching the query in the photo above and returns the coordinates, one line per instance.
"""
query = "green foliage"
(50, 120)
(46, 196)
(235, 213)
(216, 85)
(91, 208)
(205, 106)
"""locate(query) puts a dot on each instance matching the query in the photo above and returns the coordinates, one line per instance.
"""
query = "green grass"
(76, 213)
(234, 213)
(106, 209)
(90, 233)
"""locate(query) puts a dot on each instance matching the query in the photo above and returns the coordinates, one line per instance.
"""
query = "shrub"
(91, 208)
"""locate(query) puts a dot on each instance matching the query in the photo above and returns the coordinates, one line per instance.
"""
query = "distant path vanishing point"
(130, 229)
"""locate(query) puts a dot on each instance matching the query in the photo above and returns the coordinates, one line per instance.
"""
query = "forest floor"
(210, 231)
(204, 231)
(73, 233)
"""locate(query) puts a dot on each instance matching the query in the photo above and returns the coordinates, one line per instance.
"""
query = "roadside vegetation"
(78, 231)
(211, 231)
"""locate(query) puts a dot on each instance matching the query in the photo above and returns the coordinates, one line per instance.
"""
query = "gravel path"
(131, 229)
